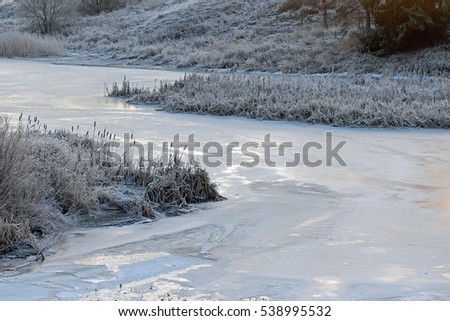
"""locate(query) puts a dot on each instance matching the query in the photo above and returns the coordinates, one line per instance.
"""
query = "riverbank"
(332, 99)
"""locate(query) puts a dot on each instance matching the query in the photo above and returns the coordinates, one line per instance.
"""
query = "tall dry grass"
(50, 180)
(19, 44)
(42, 178)
(346, 100)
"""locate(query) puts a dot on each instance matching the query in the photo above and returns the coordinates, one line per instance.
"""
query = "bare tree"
(46, 16)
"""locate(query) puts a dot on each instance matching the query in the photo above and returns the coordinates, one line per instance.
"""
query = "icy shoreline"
(375, 230)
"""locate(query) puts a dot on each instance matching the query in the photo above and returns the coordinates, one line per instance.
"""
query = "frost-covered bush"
(346, 100)
(19, 44)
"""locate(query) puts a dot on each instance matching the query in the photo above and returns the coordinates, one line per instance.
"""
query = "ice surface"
(377, 229)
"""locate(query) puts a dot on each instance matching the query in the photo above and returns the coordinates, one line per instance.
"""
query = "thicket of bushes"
(390, 26)
(407, 25)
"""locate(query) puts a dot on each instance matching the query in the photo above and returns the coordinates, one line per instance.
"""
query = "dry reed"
(49, 180)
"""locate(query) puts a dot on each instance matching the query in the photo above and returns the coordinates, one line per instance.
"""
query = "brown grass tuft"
(14, 235)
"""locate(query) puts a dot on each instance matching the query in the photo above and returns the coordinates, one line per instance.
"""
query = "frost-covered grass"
(356, 101)
(20, 44)
(49, 180)
(240, 34)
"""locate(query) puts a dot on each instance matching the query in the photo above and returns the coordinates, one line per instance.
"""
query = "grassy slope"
(248, 35)
(241, 34)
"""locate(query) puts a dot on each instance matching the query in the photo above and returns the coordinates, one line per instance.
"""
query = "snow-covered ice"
(378, 229)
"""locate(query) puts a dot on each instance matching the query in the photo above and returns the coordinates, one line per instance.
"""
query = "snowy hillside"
(237, 34)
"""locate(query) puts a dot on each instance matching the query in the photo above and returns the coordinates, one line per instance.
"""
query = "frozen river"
(377, 229)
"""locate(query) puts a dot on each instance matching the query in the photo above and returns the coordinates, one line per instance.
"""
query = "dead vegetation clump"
(178, 185)
(170, 186)
(126, 90)
(50, 181)
(13, 236)
(338, 100)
